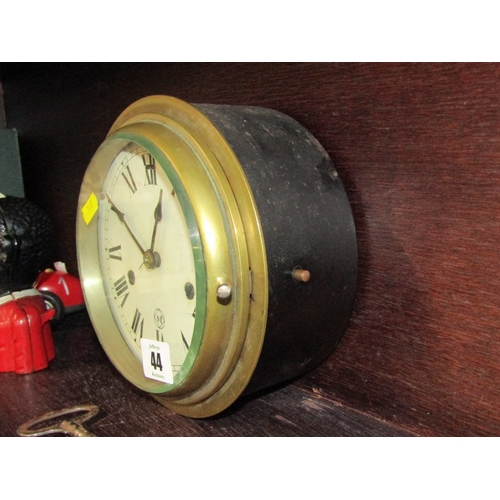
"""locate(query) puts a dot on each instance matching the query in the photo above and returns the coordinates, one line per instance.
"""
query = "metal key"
(71, 427)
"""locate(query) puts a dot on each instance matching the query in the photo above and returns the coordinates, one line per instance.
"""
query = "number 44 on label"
(156, 362)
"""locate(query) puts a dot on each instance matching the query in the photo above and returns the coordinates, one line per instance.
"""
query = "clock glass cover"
(146, 257)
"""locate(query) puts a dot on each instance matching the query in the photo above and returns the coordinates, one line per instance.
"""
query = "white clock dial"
(146, 255)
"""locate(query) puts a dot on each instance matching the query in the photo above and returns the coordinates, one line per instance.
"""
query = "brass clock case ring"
(231, 265)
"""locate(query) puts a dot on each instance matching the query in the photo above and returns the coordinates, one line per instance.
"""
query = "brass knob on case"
(224, 291)
(301, 275)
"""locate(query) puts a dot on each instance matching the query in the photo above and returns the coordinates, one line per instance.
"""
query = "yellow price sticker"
(90, 208)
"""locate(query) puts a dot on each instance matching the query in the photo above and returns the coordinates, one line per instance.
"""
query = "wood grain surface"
(418, 149)
(81, 374)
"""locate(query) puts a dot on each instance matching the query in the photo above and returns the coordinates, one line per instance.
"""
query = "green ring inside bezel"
(196, 244)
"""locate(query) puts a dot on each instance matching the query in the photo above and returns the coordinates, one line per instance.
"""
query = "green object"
(11, 177)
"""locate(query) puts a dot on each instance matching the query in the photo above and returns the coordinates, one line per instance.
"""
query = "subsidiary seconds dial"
(146, 255)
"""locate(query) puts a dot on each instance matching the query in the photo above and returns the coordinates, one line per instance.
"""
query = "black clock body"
(307, 222)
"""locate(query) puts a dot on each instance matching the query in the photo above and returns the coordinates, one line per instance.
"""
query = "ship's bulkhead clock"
(217, 251)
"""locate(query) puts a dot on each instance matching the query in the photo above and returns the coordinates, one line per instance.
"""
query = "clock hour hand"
(121, 216)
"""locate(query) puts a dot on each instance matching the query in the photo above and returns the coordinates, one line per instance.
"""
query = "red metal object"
(61, 291)
(26, 343)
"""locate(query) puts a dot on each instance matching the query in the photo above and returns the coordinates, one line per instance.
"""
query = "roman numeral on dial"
(138, 324)
(115, 252)
(149, 164)
(127, 175)
(184, 341)
(121, 289)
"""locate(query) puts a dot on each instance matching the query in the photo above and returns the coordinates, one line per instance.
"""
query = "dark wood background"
(418, 149)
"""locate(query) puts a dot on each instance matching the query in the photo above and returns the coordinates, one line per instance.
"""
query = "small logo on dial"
(159, 318)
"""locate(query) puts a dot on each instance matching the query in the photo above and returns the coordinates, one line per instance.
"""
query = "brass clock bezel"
(233, 251)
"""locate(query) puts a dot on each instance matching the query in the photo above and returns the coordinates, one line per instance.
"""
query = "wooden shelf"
(82, 374)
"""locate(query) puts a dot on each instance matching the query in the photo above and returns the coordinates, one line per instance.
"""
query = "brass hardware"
(301, 275)
(71, 427)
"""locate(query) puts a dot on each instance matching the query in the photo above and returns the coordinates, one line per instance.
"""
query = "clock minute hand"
(158, 217)
(121, 216)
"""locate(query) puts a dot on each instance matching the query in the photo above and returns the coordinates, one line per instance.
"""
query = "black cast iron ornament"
(26, 236)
